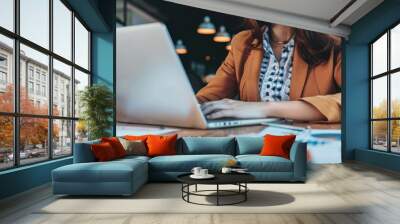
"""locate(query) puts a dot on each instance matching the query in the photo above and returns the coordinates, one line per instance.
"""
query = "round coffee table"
(238, 179)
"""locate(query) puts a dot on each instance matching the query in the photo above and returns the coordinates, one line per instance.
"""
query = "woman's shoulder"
(242, 39)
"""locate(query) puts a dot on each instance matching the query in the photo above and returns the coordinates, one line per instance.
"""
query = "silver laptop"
(152, 86)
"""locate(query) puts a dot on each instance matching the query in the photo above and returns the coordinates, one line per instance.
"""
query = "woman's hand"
(234, 108)
(292, 110)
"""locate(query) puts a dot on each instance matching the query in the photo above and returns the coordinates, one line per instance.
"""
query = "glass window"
(395, 47)
(379, 135)
(395, 95)
(62, 138)
(62, 29)
(6, 142)
(81, 82)
(34, 21)
(395, 136)
(81, 131)
(62, 71)
(30, 72)
(379, 56)
(7, 14)
(6, 70)
(3, 61)
(40, 62)
(33, 140)
(385, 124)
(30, 88)
(34, 79)
(81, 45)
(379, 98)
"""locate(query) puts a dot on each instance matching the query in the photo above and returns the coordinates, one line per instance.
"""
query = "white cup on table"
(197, 171)
(203, 172)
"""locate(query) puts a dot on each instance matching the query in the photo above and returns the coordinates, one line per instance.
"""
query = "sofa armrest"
(298, 155)
(83, 152)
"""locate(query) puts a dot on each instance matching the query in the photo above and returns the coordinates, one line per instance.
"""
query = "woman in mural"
(277, 71)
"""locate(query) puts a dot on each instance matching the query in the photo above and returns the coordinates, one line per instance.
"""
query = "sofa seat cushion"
(185, 163)
(113, 171)
(257, 163)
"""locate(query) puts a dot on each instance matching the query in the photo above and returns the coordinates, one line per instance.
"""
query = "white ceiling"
(315, 15)
(319, 9)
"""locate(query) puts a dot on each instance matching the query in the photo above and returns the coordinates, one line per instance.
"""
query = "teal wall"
(99, 15)
(356, 91)
(102, 63)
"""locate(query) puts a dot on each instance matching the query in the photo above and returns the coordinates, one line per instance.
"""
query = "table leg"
(217, 194)
(188, 190)
(195, 188)
(245, 193)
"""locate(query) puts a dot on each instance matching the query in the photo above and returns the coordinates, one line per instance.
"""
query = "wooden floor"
(377, 188)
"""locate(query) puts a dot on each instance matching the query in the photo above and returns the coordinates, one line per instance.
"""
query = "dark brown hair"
(314, 48)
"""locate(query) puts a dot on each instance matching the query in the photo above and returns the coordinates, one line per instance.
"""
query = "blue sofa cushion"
(257, 163)
(206, 145)
(249, 145)
(111, 171)
(83, 153)
(185, 163)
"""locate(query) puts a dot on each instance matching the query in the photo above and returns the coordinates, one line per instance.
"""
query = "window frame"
(388, 74)
(16, 115)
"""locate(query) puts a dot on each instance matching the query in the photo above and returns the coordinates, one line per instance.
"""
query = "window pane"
(379, 55)
(395, 136)
(81, 45)
(81, 81)
(35, 21)
(6, 142)
(6, 74)
(395, 94)
(62, 89)
(395, 47)
(33, 139)
(120, 9)
(34, 96)
(7, 14)
(379, 135)
(379, 97)
(62, 29)
(81, 131)
(62, 138)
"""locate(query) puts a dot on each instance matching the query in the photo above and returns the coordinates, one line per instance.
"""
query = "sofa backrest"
(249, 145)
(206, 145)
(83, 153)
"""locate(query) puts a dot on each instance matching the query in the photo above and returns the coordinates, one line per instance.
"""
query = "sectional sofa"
(125, 176)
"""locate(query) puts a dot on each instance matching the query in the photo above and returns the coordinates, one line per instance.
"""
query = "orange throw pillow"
(103, 152)
(159, 145)
(277, 145)
(116, 145)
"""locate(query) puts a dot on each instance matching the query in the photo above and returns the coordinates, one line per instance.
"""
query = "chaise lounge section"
(125, 176)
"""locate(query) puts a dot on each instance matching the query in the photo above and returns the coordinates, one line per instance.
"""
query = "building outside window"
(56, 127)
(30, 72)
(30, 87)
(3, 78)
(385, 91)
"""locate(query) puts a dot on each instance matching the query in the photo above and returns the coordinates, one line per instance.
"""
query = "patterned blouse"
(274, 80)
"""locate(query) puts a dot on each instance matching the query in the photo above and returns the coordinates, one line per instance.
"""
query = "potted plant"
(96, 103)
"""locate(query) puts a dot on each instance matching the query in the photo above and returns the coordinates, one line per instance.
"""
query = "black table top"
(220, 178)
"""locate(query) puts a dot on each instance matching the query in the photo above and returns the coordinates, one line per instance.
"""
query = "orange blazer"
(239, 74)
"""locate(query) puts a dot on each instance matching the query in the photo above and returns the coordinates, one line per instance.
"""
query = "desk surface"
(133, 128)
